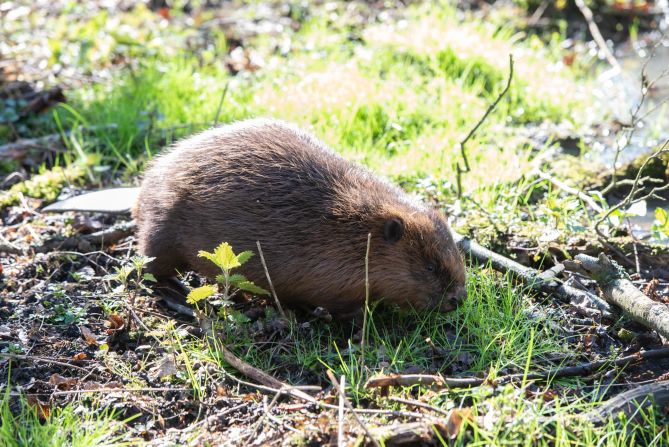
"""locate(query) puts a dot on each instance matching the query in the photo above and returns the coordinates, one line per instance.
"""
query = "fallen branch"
(531, 277)
(618, 289)
(555, 373)
(631, 402)
(247, 370)
(84, 242)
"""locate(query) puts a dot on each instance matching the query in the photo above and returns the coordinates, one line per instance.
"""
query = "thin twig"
(634, 195)
(267, 409)
(269, 280)
(637, 264)
(569, 190)
(220, 103)
(41, 359)
(9, 248)
(210, 419)
(632, 126)
(463, 152)
(599, 39)
(342, 395)
(313, 401)
(340, 432)
(366, 309)
(419, 404)
(123, 390)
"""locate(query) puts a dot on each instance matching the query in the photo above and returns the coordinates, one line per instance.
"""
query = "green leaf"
(220, 279)
(226, 256)
(149, 277)
(244, 256)
(199, 294)
(223, 257)
(660, 227)
(237, 279)
(248, 286)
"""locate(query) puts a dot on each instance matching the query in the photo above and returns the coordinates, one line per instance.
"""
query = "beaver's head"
(414, 260)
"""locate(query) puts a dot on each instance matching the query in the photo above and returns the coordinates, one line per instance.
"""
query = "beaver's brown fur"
(310, 209)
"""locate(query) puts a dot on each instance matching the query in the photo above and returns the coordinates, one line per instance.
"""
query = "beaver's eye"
(430, 268)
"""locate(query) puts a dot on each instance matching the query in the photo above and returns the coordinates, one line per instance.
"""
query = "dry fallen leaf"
(43, 410)
(166, 367)
(79, 357)
(221, 391)
(164, 12)
(62, 383)
(114, 323)
(89, 336)
(456, 419)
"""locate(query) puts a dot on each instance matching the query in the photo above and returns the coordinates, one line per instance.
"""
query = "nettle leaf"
(207, 255)
(248, 286)
(199, 294)
(244, 256)
(220, 279)
(237, 278)
(226, 257)
(223, 257)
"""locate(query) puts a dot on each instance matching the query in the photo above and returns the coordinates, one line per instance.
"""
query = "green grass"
(490, 329)
(22, 425)
(489, 333)
(400, 108)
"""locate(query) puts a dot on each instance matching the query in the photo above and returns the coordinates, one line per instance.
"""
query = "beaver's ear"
(393, 229)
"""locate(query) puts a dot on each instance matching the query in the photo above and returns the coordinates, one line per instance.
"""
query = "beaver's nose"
(453, 299)
(458, 296)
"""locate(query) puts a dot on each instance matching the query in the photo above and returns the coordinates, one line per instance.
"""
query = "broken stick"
(531, 277)
(555, 373)
(631, 402)
(617, 288)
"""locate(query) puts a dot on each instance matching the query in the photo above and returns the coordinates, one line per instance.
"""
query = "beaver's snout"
(452, 299)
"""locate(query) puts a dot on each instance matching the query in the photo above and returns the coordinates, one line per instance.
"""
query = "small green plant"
(660, 228)
(226, 259)
(132, 279)
(132, 274)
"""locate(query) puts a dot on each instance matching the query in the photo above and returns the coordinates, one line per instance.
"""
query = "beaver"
(312, 210)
